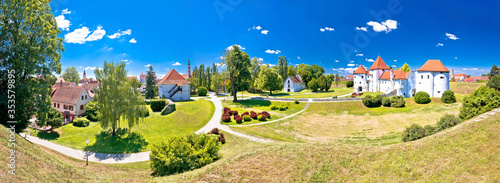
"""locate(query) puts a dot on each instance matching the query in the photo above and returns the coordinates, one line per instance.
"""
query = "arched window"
(428, 76)
(422, 76)
(81, 107)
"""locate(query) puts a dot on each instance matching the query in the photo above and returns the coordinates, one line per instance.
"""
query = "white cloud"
(132, 40)
(347, 70)
(395, 60)
(386, 26)
(90, 68)
(258, 27)
(221, 57)
(369, 60)
(80, 66)
(393, 66)
(451, 36)
(97, 34)
(167, 69)
(352, 61)
(273, 51)
(220, 64)
(231, 47)
(176, 63)
(110, 49)
(124, 54)
(298, 57)
(62, 23)
(264, 32)
(270, 65)
(359, 55)
(120, 33)
(77, 36)
(362, 28)
(350, 65)
(439, 44)
(336, 60)
(456, 58)
(65, 11)
(261, 59)
(147, 65)
(326, 29)
(470, 69)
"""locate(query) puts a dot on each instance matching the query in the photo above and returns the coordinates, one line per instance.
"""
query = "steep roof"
(360, 70)
(460, 75)
(386, 75)
(397, 75)
(433, 66)
(379, 64)
(68, 95)
(295, 79)
(173, 77)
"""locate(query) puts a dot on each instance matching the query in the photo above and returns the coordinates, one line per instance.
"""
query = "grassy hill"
(469, 152)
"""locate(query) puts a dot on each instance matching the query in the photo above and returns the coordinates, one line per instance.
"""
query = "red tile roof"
(360, 70)
(482, 78)
(398, 75)
(470, 80)
(67, 95)
(295, 79)
(386, 75)
(379, 64)
(173, 77)
(433, 66)
(460, 75)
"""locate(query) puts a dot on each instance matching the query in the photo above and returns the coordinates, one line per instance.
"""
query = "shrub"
(226, 109)
(92, 111)
(222, 140)
(144, 112)
(183, 153)
(158, 104)
(494, 82)
(215, 131)
(296, 101)
(221, 135)
(282, 108)
(261, 117)
(386, 101)
(230, 112)
(247, 117)
(398, 101)
(253, 115)
(313, 85)
(81, 122)
(349, 84)
(169, 109)
(202, 91)
(274, 107)
(245, 113)
(286, 106)
(429, 130)
(448, 97)
(237, 118)
(480, 101)
(235, 112)
(422, 97)
(447, 121)
(226, 117)
(370, 101)
(266, 114)
(335, 97)
(413, 132)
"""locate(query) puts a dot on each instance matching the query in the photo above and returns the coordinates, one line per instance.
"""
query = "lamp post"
(87, 141)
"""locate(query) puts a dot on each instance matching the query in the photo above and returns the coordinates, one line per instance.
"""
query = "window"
(54, 104)
(428, 76)
(82, 97)
(65, 106)
(58, 106)
(361, 77)
(442, 77)
(81, 107)
(359, 82)
(71, 108)
(85, 97)
(422, 76)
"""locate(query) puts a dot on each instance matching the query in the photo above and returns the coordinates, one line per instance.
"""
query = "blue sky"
(338, 35)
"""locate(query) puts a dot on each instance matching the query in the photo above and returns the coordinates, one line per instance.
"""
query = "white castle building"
(432, 77)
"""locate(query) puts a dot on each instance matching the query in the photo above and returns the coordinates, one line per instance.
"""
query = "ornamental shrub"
(282, 107)
(422, 97)
(81, 122)
(413, 132)
(226, 117)
(386, 101)
(235, 112)
(447, 121)
(448, 97)
(92, 111)
(370, 101)
(253, 115)
(238, 119)
(230, 112)
(222, 140)
(398, 101)
(202, 91)
(268, 116)
(349, 84)
(261, 117)
(247, 118)
(221, 135)
(158, 104)
(226, 109)
(183, 153)
(274, 107)
(296, 101)
(215, 131)
(245, 113)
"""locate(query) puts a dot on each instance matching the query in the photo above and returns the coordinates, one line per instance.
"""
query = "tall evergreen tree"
(208, 76)
(494, 71)
(285, 70)
(280, 66)
(150, 83)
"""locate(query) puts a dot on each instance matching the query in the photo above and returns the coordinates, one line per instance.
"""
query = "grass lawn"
(189, 117)
(259, 106)
(462, 89)
(352, 123)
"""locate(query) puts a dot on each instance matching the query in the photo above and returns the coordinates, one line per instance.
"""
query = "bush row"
(416, 131)
(480, 101)
(246, 116)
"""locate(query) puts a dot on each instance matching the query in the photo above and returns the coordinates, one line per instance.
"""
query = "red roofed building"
(70, 101)
(460, 77)
(173, 86)
(293, 84)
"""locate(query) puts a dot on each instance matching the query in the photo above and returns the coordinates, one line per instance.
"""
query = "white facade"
(293, 86)
(433, 83)
(360, 83)
(75, 109)
(168, 91)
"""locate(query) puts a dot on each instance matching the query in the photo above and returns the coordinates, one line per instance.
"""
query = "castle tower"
(188, 70)
(84, 75)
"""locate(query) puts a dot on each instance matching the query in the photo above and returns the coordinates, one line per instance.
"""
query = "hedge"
(81, 122)
(349, 84)
(422, 97)
(169, 109)
(247, 117)
(184, 153)
(447, 121)
(448, 97)
(158, 104)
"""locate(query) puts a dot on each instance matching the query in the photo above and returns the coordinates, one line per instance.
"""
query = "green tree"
(194, 83)
(30, 51)
(285, 70)
(405, 68)
(306, 77)
(254, 70)
(317, 71)
(494, 82)
(280, 66)
(313, 85)
(150, 84)
(214, 69)
(71, 75)
(116, 97)
(337, 79)
(324, 83)
(92, 111)
(494, 71)
(54, 119)
(208, 77)
(269, 80)
(292, 70)
(237, 64)
(217, 81)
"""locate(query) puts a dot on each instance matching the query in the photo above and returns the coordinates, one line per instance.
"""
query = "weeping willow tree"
(116, 97)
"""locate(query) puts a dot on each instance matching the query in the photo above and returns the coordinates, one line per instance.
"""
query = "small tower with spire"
(188, 70)
(84, 75)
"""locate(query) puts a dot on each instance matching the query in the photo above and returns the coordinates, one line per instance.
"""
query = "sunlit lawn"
(189, 117)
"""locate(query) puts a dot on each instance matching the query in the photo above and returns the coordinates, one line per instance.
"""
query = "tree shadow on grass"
(48, 135)
(254, 103)
(123, 142)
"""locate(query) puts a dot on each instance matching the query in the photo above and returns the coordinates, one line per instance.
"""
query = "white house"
(174, 87)
(432, 77)
(70, 101)
(293, 84)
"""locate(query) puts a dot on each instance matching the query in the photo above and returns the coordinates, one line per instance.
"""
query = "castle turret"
(188, 70)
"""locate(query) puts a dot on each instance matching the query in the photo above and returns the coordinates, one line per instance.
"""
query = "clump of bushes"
(238, 119)
(266, 114)
(349, 84)
(202, 91)
(370, 101)
(415, 131)
(447, 121)
(235, 112)
(448, 97)
(296, 101)
(184, 153)
(81, 122)
(214, 131)
(480, 101)
(386, 101)
(226, 117)
(282, 108)
(422, 97)
(245, 113)
(247, 117)
(398, 101)
(158, 104)
(92, 111)
(253, 115)
(221, 138)
(274, 107)
(261, 117)
(494, 82)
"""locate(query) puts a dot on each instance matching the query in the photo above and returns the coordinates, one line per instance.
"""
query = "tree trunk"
(270, 92)
(114, 132)
(235, 99)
